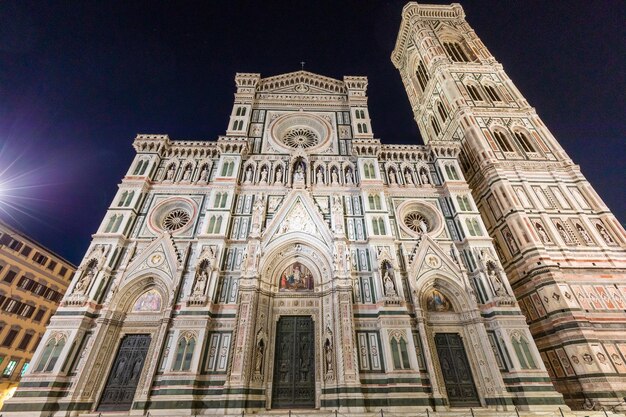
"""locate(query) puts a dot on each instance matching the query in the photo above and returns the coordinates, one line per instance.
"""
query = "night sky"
(79, 79)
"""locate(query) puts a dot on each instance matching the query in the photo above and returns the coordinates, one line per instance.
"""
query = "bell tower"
(563, 250)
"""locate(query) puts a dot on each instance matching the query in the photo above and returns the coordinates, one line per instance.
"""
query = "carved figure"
(349, 177)
(424, 177)
(299, 176)
(187, 173)
(170, 173)
(390, 289)
(258, 360)
(584, 234)
(542, 233)
(201, 281)
(248, 175)
(407, 177)
(334, 176)
(263, 175)
(392, 177)
(328, 355)
(563, 233)
(204, 174)
(319, 176)
(279, 175)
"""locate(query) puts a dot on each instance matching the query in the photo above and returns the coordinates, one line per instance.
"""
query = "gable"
(301, 82)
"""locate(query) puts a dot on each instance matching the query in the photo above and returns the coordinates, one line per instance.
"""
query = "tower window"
(456, 52)
(524, 141)
(442, 111)
(50, 354)
(399, 353)
(422, 75)
(492, 93)
(368, 170)
(378, 226)
(215, 225)
(374, 202)
(474, 93)
(503, 143)
(435, 124)
(184, 353)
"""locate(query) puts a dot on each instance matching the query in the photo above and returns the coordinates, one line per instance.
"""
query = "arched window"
(435, 124)
(357, 114)
(359, 128)
(184, 353)
(474, 93)
(215, 225)
(122, 199)
(378, 226)
(238, 111)
(503, 143)
(442, 111)
(374, 201)
(473, 227)
(523, 139)
(227, 168)
(113, 224)
(422, 75)
(140, 168)
(50, 354)
(456, 52)
(129, 199)
(362, 114)
(522, 350)
(451, 172)
(218, 198)
(399, 353)
(368, 170)
(144, 167)
(463, 202)
(364, 128)
(117, 224)
(492, 93)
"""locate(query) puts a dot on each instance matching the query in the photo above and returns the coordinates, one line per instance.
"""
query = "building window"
(522, 351)
(228, 168)
(10, 338)
(451, 172)
(464, 204)
(215, 225)
(473, 227)
(524, 141)
(456, 52)
(443, 113)
(220, 200)
(8, 371)
(374, 202)
(422, 75)
(368, 170)
(184, 353)
(10, 276)
(399, 353)
(435, 125)
(63, 272)
(50, 354)
(24, 369)
(26, 250)
(474, 93)
(492, 93)
(25, 341)
(378, 226)
(503, 143)
(39, 258)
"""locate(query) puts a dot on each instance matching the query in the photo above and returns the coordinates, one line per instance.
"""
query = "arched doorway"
(447, 336)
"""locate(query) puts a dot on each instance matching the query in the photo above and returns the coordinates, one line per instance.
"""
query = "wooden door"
(456, 370)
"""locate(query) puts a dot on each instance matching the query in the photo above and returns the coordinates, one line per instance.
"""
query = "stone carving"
(542, 233)
(279, 176)
(248, 175)
(584, 234)
(390, 289)
(319, 176)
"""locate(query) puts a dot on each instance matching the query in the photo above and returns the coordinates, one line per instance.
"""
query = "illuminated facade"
(299, 263)
(32, 283)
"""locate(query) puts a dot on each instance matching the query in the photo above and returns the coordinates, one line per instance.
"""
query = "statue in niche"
(328, 355)
(407, 177)
(202, 277)
(498, 285)
(437, 302)
(390, 289)
(604, 234)
(169, 175)
(334, 176)
(248, 177)
(563, 233)
(258, 359)
(279, 176)
(299, 175)
(392, 177)
(85, 280)
(257, 213)
(187, 173)
(583, 233)
(349, 177)
(319, 176)
(263, 175)
(204, 174)
(543, 235)
(424, 177)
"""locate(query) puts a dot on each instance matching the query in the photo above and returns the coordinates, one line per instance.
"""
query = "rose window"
(416, 222)
(175, 220)
(301, 137)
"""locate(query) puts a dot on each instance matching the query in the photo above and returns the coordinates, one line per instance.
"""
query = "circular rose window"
(301, 137)
(175, 219)
(416, 222)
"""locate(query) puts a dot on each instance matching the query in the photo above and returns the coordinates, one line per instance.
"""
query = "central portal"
(294, 363)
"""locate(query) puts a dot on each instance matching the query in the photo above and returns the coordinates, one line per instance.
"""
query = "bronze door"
(122, 383)
(294, 363)
(457, 373)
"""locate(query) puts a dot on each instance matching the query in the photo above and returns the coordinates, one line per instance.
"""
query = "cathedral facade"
(299, 263)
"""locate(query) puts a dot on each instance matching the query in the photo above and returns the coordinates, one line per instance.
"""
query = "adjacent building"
(32, 283)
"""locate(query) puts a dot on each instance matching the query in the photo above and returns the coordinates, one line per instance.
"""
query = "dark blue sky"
(78, 80)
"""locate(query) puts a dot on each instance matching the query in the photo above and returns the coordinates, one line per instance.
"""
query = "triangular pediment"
(301, 82)
(298, 214)
(160, 255)
(429, 257)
